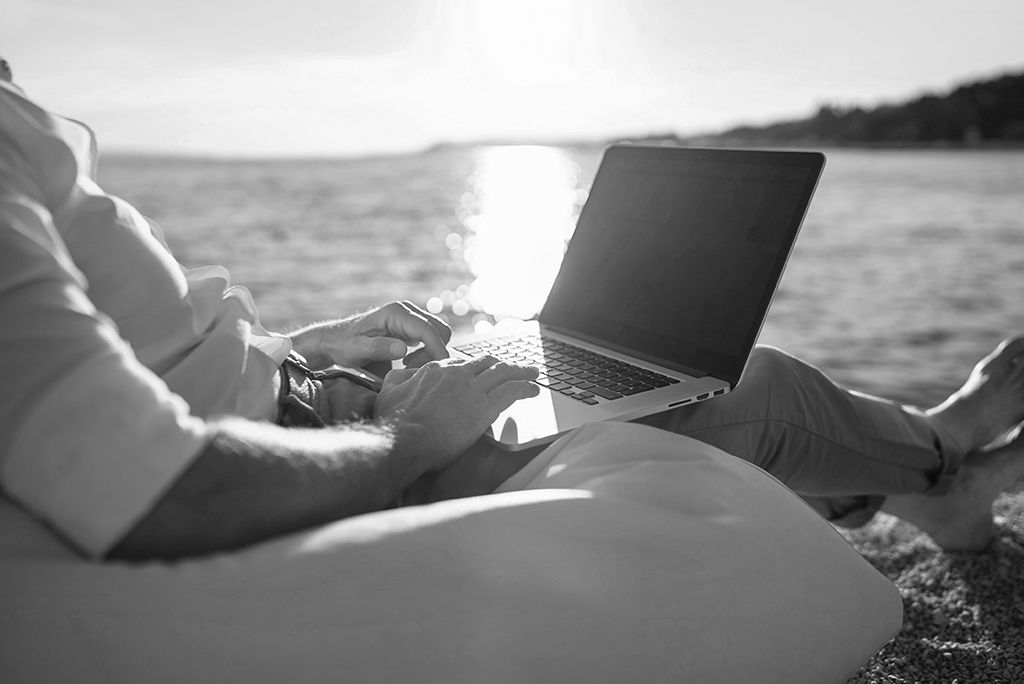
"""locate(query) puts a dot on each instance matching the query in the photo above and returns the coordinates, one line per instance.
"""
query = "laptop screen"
(678, 251)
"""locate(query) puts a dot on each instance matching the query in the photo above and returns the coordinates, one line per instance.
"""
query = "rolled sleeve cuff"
(98, 450)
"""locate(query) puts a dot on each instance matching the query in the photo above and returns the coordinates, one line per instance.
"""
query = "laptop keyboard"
(576, 372)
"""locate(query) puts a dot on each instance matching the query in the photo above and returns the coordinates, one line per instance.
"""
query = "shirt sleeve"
(89, 437)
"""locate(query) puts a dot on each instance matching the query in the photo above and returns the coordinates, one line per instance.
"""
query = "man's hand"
(441, 409)
(376, 338)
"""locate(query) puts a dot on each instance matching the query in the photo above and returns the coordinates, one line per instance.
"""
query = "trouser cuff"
(951, 458)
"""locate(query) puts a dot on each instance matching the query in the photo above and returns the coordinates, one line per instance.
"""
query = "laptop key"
(605, 393)
(636, 389)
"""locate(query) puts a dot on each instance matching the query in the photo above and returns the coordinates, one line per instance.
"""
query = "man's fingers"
(442, 328)
(382, 348)
(507, 394)
(475, 366)
(392, 329)
(504, 372)
(418, 358)
(406, 321)
(469, 367)
(397, 377)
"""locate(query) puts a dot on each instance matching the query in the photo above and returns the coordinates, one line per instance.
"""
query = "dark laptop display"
(726, 231)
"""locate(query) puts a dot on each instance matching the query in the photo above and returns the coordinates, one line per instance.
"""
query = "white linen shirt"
(111, 354)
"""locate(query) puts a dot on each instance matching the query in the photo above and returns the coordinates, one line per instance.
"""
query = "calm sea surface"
(909, 267)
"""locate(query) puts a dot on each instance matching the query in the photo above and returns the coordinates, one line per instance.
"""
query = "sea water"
(909, 266)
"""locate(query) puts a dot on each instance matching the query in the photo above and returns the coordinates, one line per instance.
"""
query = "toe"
(1010, 348)
(1004, 360)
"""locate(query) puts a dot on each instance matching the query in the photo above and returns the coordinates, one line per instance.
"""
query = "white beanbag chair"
(627, 555)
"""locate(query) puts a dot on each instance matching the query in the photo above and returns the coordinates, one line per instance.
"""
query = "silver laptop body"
(663, 288)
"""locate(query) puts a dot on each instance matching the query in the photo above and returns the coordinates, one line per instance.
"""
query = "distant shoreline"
(942, 146)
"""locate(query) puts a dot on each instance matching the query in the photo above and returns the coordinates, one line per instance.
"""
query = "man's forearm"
(255, 481)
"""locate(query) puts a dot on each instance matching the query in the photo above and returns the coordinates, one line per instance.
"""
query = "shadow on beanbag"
(621, 553)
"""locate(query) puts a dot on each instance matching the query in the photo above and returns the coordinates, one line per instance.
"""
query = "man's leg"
(847, 452)
(819, 438)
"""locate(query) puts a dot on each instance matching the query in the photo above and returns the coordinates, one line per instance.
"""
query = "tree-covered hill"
(987, 112)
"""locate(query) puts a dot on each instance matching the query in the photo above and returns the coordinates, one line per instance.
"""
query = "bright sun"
(525, 40)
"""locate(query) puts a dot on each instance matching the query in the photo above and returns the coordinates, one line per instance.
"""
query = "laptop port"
(702, 397)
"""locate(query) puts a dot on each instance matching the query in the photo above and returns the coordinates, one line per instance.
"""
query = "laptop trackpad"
(537, 420)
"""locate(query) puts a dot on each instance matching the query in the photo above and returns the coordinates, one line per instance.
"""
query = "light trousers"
(842, 451)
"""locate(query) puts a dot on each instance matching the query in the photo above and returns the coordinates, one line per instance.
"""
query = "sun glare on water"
(517, 219)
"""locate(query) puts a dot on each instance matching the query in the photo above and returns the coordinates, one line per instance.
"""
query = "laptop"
(662, 290)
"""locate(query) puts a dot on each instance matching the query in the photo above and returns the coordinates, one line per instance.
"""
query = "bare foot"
(961, 519)
(990, 403)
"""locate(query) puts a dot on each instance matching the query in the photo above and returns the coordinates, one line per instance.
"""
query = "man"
(141, 398)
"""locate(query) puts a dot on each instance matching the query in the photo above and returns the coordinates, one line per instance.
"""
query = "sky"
(350, 77)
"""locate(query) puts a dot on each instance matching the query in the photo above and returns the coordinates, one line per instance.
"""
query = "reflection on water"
(517, 217)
